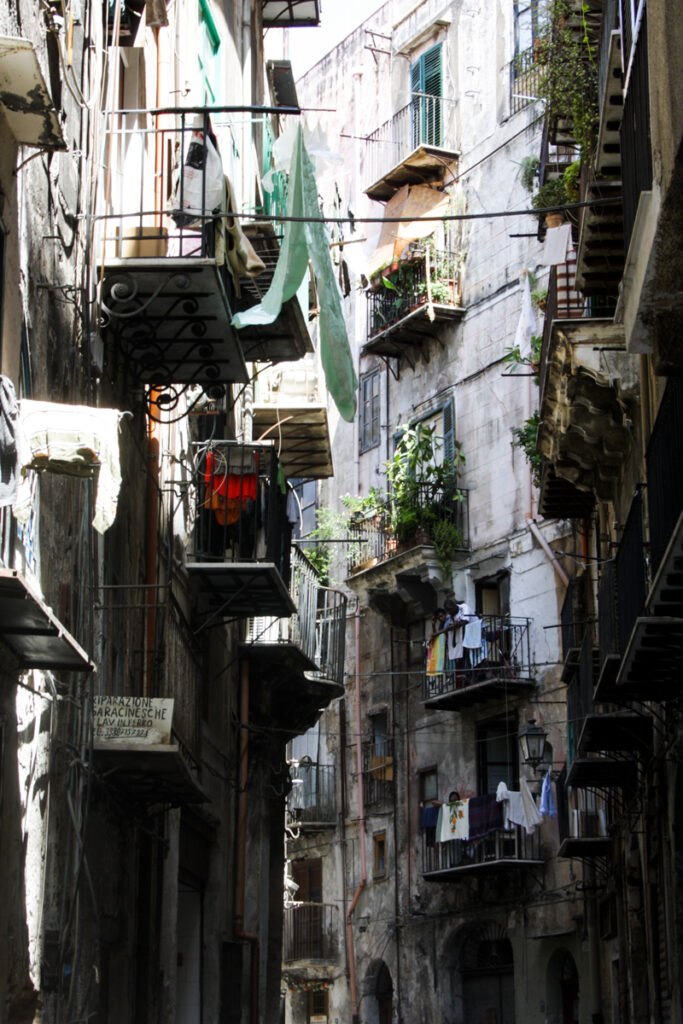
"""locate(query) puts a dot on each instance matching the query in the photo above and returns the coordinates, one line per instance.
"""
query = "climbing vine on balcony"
(569, 80)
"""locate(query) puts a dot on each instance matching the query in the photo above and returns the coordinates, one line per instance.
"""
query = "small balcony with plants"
(420, 525)
(412, 298)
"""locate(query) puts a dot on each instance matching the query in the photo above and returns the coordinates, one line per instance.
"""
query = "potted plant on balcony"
(551, 193)
(569, 81)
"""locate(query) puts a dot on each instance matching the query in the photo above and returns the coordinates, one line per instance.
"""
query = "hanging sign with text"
(132, 719)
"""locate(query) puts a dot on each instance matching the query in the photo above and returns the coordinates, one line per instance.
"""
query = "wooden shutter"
(449, 432)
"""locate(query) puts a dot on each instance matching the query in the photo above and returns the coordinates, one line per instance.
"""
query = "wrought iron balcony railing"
(395, 530)
(503, 656)
(426, 277)
(424, 121)
(525, 77)
(584, 819)
(240, 509)
(311, 932)
(573, 616)
(317, 627)
(498, 848)
(312, 800)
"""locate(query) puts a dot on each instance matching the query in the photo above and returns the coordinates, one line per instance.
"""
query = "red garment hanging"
(226, 494)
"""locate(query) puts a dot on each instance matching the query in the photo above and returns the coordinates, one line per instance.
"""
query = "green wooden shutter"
(426, 80)
(449, 432)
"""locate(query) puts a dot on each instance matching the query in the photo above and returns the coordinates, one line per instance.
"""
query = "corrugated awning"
(32, 632)
(24, 98)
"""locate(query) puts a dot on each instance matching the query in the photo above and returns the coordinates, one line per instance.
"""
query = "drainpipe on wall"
(533, 526)
(240, 869)
(361, 826)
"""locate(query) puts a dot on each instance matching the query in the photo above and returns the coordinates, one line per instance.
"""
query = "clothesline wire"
(284, 218)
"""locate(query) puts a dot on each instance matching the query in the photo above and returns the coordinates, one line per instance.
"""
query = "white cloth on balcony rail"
(558, 245)
(453, 821)
(527, 327)
(472, 637)
(76, 440)
(519, 807)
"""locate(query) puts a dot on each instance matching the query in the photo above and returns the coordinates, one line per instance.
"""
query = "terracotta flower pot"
(554, 220)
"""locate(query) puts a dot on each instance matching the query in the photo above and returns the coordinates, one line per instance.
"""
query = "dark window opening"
(497, 759)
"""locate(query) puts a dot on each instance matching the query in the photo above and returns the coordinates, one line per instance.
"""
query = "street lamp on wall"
(532, 743)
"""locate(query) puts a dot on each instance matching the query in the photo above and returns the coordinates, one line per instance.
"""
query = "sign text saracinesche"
(132, 719)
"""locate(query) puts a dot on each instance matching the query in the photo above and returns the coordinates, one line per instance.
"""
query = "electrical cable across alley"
(283, 218)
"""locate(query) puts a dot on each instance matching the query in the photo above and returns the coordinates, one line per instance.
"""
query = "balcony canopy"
(290, 13)
(34, 635)
(24, 98)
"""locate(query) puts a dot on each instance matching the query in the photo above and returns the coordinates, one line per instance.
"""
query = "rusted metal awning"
(32, 632)
(24, 98)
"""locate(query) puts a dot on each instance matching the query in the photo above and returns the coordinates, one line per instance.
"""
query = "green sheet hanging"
(304, 240)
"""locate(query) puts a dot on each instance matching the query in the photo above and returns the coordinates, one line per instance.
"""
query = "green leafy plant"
(529, 165)
(524, 437)
(447, 540)
(422, 495)
(569, 79)
(571, 181)
(515, 358)
(551, 193)
(539, 298)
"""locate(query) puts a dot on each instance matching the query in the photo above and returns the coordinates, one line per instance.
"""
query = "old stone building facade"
(162, 639)
(566, 562)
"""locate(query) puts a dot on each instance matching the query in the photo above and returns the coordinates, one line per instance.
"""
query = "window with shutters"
(369, 410)
(426, 87)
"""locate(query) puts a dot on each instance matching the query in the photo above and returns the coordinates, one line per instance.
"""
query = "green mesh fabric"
(301, 242)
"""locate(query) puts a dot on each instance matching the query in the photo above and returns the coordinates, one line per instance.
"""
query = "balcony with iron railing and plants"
(421, 520)
(409, 300)
(415, 146)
